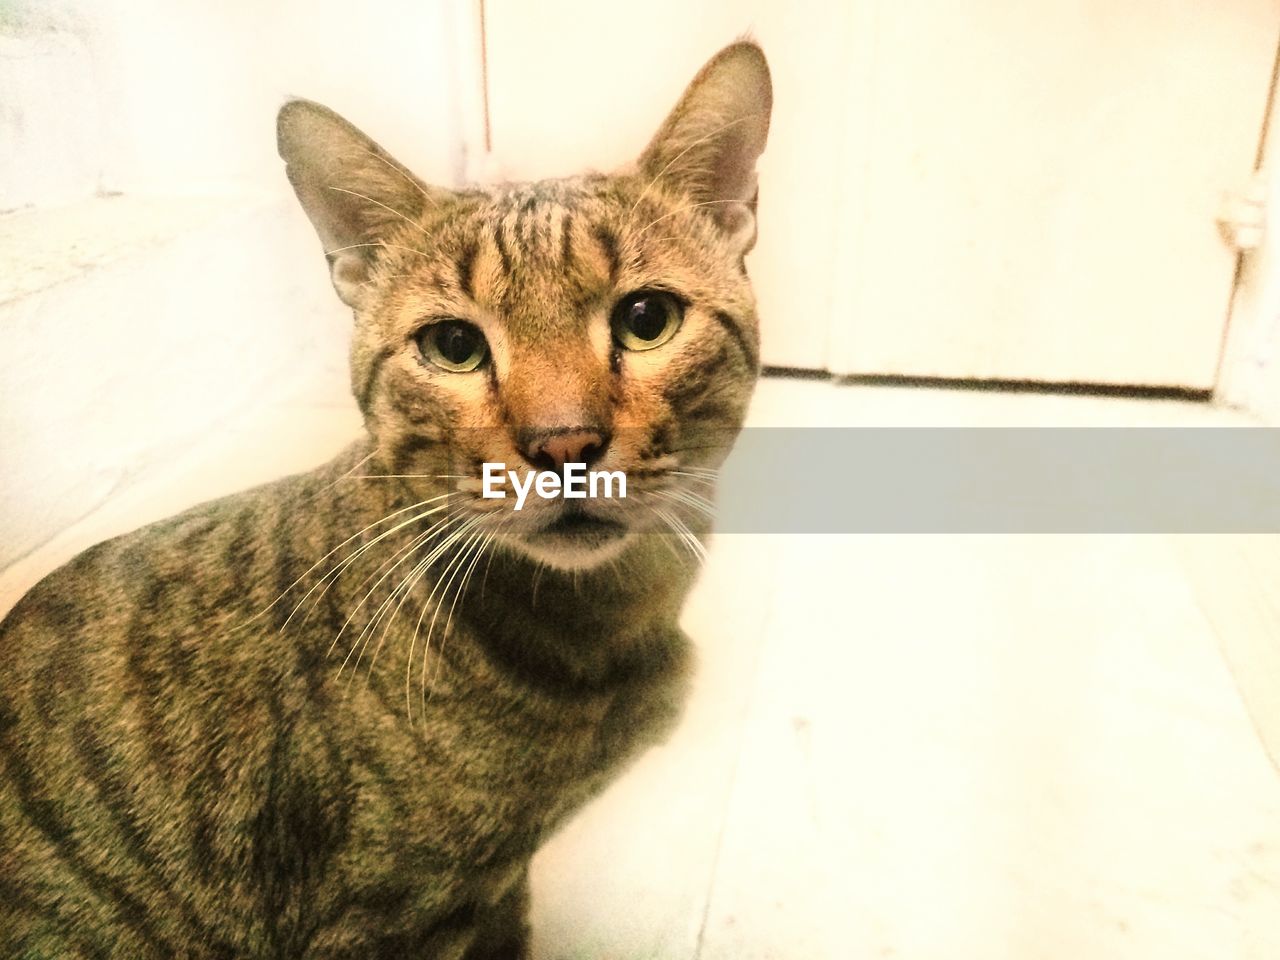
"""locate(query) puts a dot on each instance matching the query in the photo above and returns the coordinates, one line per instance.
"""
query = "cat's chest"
(481, 767)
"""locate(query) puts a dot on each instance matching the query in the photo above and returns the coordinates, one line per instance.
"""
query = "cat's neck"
(558, 627)
(588, 627)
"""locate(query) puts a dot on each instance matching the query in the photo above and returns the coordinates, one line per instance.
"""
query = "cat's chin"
(573, 538)
(577, 550)
(573, 557)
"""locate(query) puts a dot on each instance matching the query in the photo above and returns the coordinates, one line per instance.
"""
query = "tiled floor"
(928, 747)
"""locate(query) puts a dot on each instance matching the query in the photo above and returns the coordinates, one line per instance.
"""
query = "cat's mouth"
(574, 526)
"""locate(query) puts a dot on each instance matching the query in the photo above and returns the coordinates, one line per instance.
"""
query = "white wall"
(202, 81)
(986, 190)
(1250, 374)
(156, 274)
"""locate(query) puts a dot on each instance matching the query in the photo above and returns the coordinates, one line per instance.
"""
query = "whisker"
(410, 476)
(362, 640)
(665, 536)
(408, 663)
(415, 575)
(505, 521)
(408, 177)
(392, 210)
(408, 670)
(389, 276)
(363, 460)
(437, 529)
(537, 579)
(670, 163)
(686, 535)
(475, 546)
(690, 499)
(359, 533)
(404, 589)
(678, 210)
(379, 243)
(699, 478)
(330, 578)
(418, 541)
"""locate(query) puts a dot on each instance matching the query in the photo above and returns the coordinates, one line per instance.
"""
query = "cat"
(306, 720)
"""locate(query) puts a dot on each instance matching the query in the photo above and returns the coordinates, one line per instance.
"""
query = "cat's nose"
(552, 449)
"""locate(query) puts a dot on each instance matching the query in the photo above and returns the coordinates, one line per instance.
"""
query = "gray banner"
(1077, 480)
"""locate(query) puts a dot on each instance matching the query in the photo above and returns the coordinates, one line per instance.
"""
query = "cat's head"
(600, 319)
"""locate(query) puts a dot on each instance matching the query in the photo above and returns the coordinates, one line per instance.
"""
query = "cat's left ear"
(708, 146)
(354, 192)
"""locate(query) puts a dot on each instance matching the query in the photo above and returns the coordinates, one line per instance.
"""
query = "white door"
(992, 190)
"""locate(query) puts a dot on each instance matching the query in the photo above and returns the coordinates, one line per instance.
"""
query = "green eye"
(453, 345)
(646, 319)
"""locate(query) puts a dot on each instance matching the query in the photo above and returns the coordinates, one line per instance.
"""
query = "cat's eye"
(453, 345)
(646, 319)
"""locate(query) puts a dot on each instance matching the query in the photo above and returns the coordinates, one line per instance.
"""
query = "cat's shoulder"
(193, 546)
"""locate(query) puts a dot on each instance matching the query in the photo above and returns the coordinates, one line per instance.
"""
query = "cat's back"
(125, 721)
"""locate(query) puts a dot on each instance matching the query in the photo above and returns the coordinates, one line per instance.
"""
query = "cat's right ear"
(353, 191)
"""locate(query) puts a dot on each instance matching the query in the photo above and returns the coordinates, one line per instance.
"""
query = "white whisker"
(362, 461)
(686, 535)
(392, 210)
(408, 177)
(670, 163)
(404, 589)
(359, 533)
(410, 476)
(475, 546)
(700, 478)
(378, 243)
(418, 541)
(666, 522)
(408, 670)
(689, 499)
(678, 210)
(330, 578)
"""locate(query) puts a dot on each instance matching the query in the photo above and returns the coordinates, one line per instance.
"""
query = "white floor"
(926, 747)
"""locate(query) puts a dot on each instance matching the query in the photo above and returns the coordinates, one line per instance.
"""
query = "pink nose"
(552, 449)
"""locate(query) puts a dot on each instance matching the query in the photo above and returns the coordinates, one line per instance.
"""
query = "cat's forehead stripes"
(543, 220)
(542, 247)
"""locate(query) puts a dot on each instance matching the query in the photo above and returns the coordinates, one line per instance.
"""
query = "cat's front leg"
(503, 932)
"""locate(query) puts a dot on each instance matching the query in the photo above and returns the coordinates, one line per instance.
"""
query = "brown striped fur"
(190, 766)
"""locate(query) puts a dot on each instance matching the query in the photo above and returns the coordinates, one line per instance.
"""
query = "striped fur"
(314, 720)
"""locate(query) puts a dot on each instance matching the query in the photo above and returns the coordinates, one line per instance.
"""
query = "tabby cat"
(335, 716)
